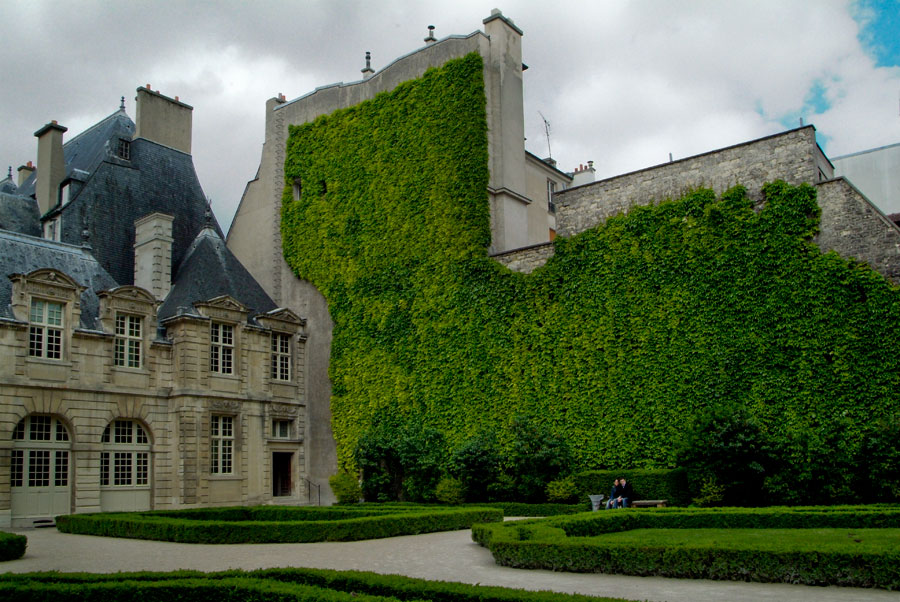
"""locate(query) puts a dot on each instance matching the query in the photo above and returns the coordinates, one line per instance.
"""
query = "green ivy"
(632, 330)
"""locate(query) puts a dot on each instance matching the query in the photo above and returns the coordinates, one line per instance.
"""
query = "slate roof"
(19, 214)
(84, 153)
(211, 270)
(21, 254)
(7, 185)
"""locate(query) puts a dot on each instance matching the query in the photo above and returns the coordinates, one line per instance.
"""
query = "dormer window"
(46, 329)
(123, 149)
(51, 229)
(221, 348)
(129, 340)
(64, 191)
(281, 356)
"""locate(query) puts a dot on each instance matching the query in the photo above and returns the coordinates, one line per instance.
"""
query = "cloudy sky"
(622, 83)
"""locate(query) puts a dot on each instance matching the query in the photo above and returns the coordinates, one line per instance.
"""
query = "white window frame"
(129, 341)
(221, 348)
(281, 356)
(221, 444)
(40, 454)
(45, 333)
(282, 428)
(125, 455)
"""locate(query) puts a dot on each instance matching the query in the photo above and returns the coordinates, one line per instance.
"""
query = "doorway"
(281, 473)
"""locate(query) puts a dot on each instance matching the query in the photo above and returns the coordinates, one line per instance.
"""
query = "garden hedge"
(636, 326)
(272, 524)
(294, 585)
(12, 546)
(577, 543)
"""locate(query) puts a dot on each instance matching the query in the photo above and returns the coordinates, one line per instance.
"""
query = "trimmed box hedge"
(265, 585)
(12, 546)
(576, 543)
(277, 524)
(648, 484)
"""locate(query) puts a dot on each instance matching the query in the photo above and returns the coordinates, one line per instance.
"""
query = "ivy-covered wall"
(631, 330)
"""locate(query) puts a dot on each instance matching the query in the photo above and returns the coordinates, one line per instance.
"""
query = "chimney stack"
(153, 253)
(368, 71)
(51, 165)
(164, 120)
(25, 172)
(430, 39)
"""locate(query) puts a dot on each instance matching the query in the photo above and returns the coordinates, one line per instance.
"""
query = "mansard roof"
(210, 270)
(7, 185)
(19, 214)
(21, 254)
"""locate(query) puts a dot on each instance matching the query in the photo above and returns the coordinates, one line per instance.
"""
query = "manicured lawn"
(775, 540)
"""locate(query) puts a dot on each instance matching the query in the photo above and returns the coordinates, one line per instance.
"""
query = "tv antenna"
(547, 132)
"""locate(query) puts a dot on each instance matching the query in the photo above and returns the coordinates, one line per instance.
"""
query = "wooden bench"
(649, 504)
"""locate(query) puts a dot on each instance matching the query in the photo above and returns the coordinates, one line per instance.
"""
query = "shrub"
(727, 446)
(12, 546)
(879, 463)
(476, 464)
(538, 457)
(450, 491)
(399, 464)
(562, 490)
(346, 488)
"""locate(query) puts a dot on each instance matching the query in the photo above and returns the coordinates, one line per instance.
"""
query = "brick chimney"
(164, 120)
(51, 165)
(25, 172)
(153, 253)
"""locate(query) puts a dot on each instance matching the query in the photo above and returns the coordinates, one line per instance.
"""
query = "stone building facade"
(142, 366)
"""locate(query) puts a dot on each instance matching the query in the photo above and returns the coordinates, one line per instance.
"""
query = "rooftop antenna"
(547, 132)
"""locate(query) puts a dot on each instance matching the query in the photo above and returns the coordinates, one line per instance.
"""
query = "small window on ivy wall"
(323, 187)
(298, 189)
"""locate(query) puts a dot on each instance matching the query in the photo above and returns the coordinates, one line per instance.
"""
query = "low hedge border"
(271, 524)
(576, 544)
(270, 584)
(12, 546)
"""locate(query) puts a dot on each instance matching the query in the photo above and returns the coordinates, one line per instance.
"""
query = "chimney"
(430, 39)
(25, 172)
(585, 174)
(368, 71)
(51, 164)
(153, 253)
(163, 120)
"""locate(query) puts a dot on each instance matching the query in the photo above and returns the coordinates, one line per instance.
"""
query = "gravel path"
(450, 556)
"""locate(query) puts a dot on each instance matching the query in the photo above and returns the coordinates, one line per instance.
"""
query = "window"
(40, 454)
(551, 190)
(64, 193)
(221, 445)
(281, 356)
(125, 459)
(221, 348)
(128, 341)
(281, 429)
(298, 189)
(123, 149)
(51, 229)
(45, 332)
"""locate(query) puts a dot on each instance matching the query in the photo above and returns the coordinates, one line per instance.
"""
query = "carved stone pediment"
(225, 405)
(283, 409)
(47, 281)
(223, 308)
(282, 319)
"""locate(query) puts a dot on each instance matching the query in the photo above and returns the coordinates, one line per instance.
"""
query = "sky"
(622, 83)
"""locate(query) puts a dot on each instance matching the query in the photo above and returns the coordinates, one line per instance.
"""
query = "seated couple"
(620, 495)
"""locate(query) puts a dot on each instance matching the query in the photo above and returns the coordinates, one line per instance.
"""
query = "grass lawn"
(775, 540)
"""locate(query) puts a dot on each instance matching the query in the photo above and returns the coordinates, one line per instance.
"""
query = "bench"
(649, 504)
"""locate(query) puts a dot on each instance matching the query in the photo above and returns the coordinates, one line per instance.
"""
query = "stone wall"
(853, 227)
(792, 156)
(526, 259)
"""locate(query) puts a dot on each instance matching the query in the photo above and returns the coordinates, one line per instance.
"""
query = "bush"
(538, 457)
(879, 463)
(450, 491)
(399, 465)
(477, 466)
(727, 446)
(563, 491)
(345, 488)
(649, 484)
(12, 546)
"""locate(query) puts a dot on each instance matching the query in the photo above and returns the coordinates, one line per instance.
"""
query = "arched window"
(40, 467)
(125, 459)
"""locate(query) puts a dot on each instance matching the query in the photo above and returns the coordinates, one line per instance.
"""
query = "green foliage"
(277, 524)
(710, 494)
(537, 457)
(795, 545)
(563, 490)
(630, 332)
(878, 479)
(648, 484)
(270, 585)
(345, 487)
(450, 491)
(12, 546)
(727, 448)
(476, 463)
(400, 464)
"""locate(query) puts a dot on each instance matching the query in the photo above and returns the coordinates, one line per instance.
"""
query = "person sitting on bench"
(612, 495)
(622, 494)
